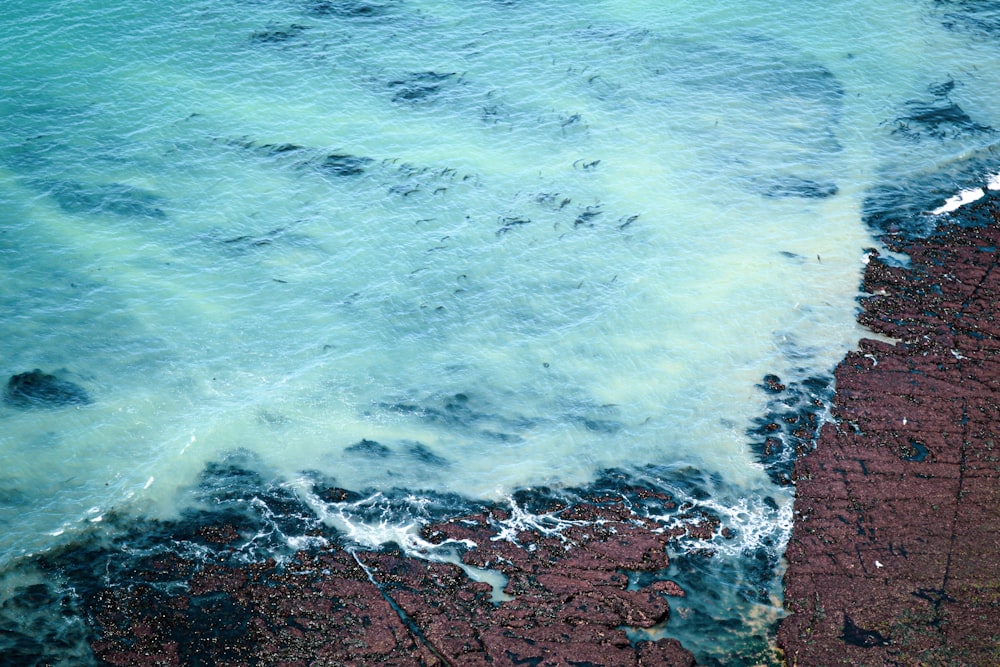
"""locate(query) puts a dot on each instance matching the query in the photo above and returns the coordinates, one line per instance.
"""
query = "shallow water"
(454, 247)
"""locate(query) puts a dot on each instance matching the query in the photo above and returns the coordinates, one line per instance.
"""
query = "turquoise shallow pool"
(451, 247)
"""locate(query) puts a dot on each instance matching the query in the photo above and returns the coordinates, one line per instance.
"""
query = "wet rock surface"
(563, 592)
(892, 560)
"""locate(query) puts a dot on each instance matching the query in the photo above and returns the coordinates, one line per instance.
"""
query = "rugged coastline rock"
(191, 592)
(892, 560)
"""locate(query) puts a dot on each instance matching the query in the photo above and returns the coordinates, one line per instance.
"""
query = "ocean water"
(453, 247)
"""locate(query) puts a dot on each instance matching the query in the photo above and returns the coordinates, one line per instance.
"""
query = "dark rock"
(788, 428)
(860, 637)
(902, 209)
(231, 478)
(180, 592)
(773, 383)
(36, 389)
(338, 495)
(891, 209)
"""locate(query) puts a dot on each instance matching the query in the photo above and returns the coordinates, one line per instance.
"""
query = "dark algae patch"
(893, 556)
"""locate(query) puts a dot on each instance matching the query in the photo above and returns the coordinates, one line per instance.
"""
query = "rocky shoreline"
(576, 584)
(893, 556)
(891, 560)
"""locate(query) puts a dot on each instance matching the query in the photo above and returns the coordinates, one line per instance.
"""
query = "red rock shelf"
(895, 554)
(569, 600)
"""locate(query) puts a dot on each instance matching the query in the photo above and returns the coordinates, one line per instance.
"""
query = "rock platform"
(567, 594)
(894, 558)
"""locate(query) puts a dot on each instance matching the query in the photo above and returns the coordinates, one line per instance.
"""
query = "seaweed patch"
(974, 17)
(937, 118)
(419, 86)
(276, 35)
(509, 223)
(341, 164)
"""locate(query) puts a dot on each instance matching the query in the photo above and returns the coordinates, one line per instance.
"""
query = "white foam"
(406, 534)
(751, 522)
(389, 528)
(961, 199)
(968, 196)
(521, 520)
(302, 542)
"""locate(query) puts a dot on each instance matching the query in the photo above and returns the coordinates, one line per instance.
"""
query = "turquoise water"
(513, 243)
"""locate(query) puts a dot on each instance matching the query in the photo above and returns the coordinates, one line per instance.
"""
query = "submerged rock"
(275, 35)
(369, 448)
(348, 9)
(794, 186)
(36, 389)
(979, 19)
(788, 428)
(423, 454)
(115, 198)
